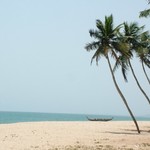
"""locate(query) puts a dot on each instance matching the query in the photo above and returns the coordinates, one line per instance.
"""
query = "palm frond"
(124, 68)
(97, 54)
(100, 26)
(145, 13)
(117, 65)
(95, 34)
(145, 36)
(122, 61)
(108, 25)
(92, 46)
(132, 30)
(146, 61)
(117, 29)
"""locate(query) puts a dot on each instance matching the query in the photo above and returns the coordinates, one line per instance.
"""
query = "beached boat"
(99, 119)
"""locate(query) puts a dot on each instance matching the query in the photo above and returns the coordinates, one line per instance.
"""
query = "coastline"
(72, 135)
(14, 117)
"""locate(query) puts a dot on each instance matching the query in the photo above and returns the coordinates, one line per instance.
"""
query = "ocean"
(14, 117)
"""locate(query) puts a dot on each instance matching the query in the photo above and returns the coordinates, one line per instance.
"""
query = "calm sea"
(14, 117)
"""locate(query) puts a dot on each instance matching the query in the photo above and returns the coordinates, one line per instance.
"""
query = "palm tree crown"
(137, 42)
(105, 35)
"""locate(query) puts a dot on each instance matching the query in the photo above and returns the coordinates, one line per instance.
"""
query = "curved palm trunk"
(138, 83)
(122, 96)
(145, 72)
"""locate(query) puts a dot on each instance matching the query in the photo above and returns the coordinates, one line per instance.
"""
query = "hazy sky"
(45, 68)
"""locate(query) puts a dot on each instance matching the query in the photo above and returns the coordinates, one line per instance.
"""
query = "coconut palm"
(106, 36)
(140, 45)
(132, 35)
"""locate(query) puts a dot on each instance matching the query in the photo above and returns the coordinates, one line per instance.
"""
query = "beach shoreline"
(72, 135)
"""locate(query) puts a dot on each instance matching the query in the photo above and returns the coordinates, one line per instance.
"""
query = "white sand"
(74, 136)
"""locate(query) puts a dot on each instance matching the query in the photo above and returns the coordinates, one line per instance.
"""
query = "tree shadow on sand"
(129, 132)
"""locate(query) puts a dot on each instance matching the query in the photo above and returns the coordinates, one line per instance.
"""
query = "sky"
(44, 66)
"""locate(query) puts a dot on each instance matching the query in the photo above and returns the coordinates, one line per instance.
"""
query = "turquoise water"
(14, 117)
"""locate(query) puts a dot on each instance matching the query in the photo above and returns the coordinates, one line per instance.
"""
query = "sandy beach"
(74, 135)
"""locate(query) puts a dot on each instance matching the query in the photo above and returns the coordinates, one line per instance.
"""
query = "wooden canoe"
(99, 119)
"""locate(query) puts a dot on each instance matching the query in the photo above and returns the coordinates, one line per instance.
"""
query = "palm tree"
(132, 36)
(106, 37)
(140, 45)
